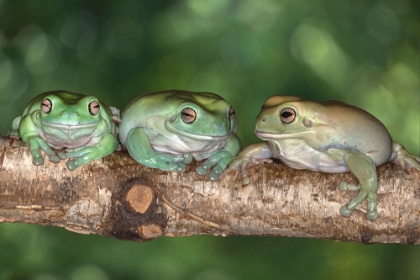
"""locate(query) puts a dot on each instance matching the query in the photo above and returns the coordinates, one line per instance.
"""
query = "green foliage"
(360, 52)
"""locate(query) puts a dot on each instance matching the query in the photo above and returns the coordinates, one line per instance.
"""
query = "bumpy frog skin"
(329, 137)
(167, 129)
(81, 124)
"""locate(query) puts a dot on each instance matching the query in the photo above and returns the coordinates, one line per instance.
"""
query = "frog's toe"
(176, 167)
(245, 180)
(345, 211)
(38, 160)
(71, 165)
(188, 158)
(371, 215)
(214, 175)
(54, 158)
(344, 186)
(202, 170)
(62, 155)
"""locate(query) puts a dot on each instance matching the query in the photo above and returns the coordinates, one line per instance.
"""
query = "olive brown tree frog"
(329, 137)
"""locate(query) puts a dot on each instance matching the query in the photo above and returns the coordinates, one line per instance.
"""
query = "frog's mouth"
(202, 137)
(69, 126)
(278, 136)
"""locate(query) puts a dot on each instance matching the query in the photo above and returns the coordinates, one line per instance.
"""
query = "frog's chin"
(69, 126)
(278, 136)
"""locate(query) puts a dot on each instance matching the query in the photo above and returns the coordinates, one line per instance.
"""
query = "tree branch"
(120, 198)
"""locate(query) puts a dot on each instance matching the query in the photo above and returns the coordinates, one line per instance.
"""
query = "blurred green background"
(361, 52)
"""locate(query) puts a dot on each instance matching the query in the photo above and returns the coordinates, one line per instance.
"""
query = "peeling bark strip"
(119, 198)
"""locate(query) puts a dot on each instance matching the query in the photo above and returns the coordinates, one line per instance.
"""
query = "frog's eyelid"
(94, 107)
(46, 106)
(188, 115)
(287, 115)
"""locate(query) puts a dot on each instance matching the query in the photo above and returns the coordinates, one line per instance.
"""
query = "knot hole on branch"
(139, 198)
(136, 213)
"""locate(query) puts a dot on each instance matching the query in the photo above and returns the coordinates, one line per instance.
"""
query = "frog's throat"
(196, 136)
(278, 136)
(68, 126)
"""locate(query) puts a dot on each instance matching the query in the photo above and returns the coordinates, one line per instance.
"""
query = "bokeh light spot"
(239, 48)
(89, 272)
(258, 15)
(208, 8)
(5, 71)
(42, 55)
(383, 25)
(75, 27)
(318, 50)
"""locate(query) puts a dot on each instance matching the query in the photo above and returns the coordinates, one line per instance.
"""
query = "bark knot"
(139, 198)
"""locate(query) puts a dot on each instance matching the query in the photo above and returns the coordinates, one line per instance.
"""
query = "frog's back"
(360, 130)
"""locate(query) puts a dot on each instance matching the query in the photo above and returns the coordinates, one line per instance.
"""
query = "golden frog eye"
(94, 107)
(46, 106)
(287, 115)
(188, 115)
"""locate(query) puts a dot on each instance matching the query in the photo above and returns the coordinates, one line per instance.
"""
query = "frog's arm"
(220, 159)
(401, 157)
(15, 128)
(104, 147)
(365, 170)
(28, 133)
(253, 154)
(35, 144)
(139, 147)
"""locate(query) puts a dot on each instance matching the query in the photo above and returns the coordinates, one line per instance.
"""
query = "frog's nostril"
(264, 119)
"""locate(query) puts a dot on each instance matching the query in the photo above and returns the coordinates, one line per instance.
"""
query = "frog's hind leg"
(365, 171)
(404, 159)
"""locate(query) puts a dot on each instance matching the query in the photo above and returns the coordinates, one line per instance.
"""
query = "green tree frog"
(81, 124)
(167, 129)
(329, 137)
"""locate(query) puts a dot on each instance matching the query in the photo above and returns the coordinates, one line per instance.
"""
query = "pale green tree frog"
(82, 125)
(329, 137)
(167, 129)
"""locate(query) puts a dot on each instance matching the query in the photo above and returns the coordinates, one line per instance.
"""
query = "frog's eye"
(94, 108)
(287, 115)
(188, 115)
(231, 113)
(46, 106)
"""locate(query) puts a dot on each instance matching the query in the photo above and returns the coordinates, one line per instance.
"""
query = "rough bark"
(120, 198)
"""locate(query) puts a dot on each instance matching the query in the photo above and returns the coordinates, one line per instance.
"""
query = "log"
(119, 198)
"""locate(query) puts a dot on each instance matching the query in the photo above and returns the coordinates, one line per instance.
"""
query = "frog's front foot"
(81, 156)
(168, 162)
(37, 158)
(243, 163)
(366, 192)
(36, 144)
(219, 160)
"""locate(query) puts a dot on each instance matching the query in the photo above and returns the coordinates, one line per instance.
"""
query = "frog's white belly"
(183, 145)
(295, 153)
